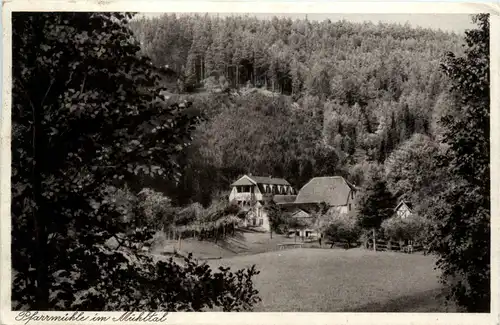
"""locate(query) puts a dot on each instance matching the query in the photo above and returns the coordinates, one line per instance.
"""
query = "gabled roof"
(254, 180)
(299, 213)
(243, 182)
(408, 204)
(333, 191)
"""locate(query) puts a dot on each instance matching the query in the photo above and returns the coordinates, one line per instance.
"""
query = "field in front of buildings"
(337, 280)
(326, 280)
(243, 243)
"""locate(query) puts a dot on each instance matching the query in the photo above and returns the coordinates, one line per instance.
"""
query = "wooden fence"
(383, 245)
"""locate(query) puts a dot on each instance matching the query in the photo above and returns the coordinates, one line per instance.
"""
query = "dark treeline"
(293, 57)
(314, 98)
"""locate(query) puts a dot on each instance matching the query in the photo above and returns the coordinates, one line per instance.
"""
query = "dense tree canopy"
(375, 203)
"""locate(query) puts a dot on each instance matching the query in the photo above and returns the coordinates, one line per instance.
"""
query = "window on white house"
(352, 195)
(261, 222)
(349, 206)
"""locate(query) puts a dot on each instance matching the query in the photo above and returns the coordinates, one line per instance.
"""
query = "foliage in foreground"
(87, 118)
(461, 212)
(99, 278)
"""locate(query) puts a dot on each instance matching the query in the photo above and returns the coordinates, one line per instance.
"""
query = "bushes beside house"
(405, 229)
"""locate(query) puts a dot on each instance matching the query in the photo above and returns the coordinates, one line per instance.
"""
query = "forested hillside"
(333, 98)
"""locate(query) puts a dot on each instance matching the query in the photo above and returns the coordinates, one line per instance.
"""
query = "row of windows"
(244, 189)
(257, 222)
(278, 189)
(244, 203)
(267, 189)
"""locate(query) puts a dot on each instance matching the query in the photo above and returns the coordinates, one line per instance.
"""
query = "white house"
(251, 193)
(403, 209)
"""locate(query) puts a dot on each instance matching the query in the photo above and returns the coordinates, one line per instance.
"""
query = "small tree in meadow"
(276, 218)
(412, 228)
(344, 228)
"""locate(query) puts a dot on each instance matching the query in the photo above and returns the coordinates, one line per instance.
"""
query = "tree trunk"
(237, 77)
(203, 68)
(374, 239)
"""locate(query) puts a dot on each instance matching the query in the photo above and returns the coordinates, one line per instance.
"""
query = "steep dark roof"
(269, 180)
(408, 204)
(333, 191)
(260, 180)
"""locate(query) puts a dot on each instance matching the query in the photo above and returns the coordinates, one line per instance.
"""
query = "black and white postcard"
(274, 162)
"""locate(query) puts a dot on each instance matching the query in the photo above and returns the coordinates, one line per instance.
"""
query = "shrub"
(154, 209)
(412, 228)
(95, 277)
(343, 228)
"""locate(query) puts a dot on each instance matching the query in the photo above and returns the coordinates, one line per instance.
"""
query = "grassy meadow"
(337, 280)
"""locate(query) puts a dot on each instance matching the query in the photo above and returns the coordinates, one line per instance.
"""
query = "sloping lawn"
(337, 280)
(243, 243)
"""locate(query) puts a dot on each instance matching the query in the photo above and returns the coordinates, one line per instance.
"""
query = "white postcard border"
(9, 317)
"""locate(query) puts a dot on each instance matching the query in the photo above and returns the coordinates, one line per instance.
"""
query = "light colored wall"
(260, 214)
(351, 201)
(234, 195)
(404, 212)
(265, 224)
